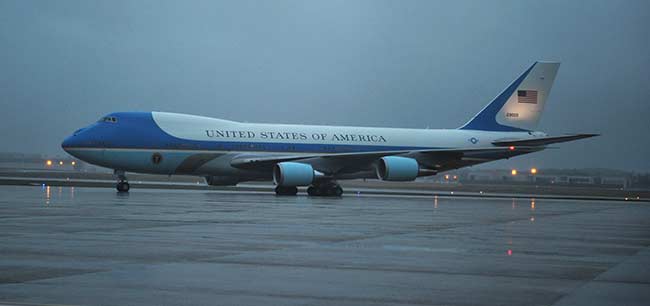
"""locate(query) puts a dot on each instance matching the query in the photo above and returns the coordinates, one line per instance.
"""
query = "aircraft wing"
(257, 161)
(541, 141)
(433, 158)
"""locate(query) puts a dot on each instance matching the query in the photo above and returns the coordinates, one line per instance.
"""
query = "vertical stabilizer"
(519, 107)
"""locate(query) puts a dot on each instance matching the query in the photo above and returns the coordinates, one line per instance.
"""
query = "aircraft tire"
(123, 187)
(286, 191)
(337, 191)
(312, 191)
(333, 190)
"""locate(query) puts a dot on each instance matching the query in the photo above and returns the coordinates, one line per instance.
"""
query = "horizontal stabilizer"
(541, 141)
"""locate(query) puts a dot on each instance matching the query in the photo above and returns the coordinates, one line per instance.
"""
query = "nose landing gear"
(122, 182)
(123, 187)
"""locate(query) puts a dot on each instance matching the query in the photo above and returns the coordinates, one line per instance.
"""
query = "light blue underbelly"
(133, 160)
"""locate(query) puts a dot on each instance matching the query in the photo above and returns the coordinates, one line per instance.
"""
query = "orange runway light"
(49, 163)
(513, 172)
(533, 171)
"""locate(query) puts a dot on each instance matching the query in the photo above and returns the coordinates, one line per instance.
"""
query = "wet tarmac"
(92, 246)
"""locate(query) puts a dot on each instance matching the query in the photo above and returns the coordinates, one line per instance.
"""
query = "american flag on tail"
(527, 96)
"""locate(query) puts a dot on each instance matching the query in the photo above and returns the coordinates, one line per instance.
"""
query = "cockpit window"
(108, 119)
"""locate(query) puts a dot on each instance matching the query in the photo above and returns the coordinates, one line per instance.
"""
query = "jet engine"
(396, 168)
(294, 174)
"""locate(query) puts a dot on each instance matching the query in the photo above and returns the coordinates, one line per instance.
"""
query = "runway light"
(513, 172)
(61, 163)
(447, 176)
(511, 148)
(73, 163)
(533, 171)
(455, 177)
(49, 163)
(509, 252)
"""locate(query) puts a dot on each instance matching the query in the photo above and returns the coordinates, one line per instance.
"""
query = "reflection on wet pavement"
(66, 245)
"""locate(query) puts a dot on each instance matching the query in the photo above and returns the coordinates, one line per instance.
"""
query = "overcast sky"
(413, 64)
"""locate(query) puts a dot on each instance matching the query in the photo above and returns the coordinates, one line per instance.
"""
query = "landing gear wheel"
(337, 191)
(286, 190)
(325, 190)
(312, 191)
(123, 187)
(122, 183)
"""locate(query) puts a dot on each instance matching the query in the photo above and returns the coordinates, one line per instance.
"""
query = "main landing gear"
(286, 190)
(326, 189)
(122, 182)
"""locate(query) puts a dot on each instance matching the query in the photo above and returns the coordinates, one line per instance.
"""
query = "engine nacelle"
(221, 180)
(294, 174)
(396, 168)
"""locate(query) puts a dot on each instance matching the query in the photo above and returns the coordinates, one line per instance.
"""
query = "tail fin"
(520, 106)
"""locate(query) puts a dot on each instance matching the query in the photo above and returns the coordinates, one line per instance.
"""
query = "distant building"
(554, 178)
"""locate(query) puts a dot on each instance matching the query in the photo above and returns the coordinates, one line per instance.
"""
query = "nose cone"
(71, 146)
(73, 140)
(68, 143)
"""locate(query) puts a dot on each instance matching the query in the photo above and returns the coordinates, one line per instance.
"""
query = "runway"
(92, 246)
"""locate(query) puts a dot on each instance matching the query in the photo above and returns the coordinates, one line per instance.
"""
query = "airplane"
(229, 152)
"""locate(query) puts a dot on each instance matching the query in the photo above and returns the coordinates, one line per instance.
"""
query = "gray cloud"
(376, 63)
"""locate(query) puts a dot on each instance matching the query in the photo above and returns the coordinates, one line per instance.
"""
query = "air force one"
(228, 152)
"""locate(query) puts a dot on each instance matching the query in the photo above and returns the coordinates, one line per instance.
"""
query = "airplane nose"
(73, 140)
(68, 143)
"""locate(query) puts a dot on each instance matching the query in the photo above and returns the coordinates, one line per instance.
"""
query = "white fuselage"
(205, 146)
